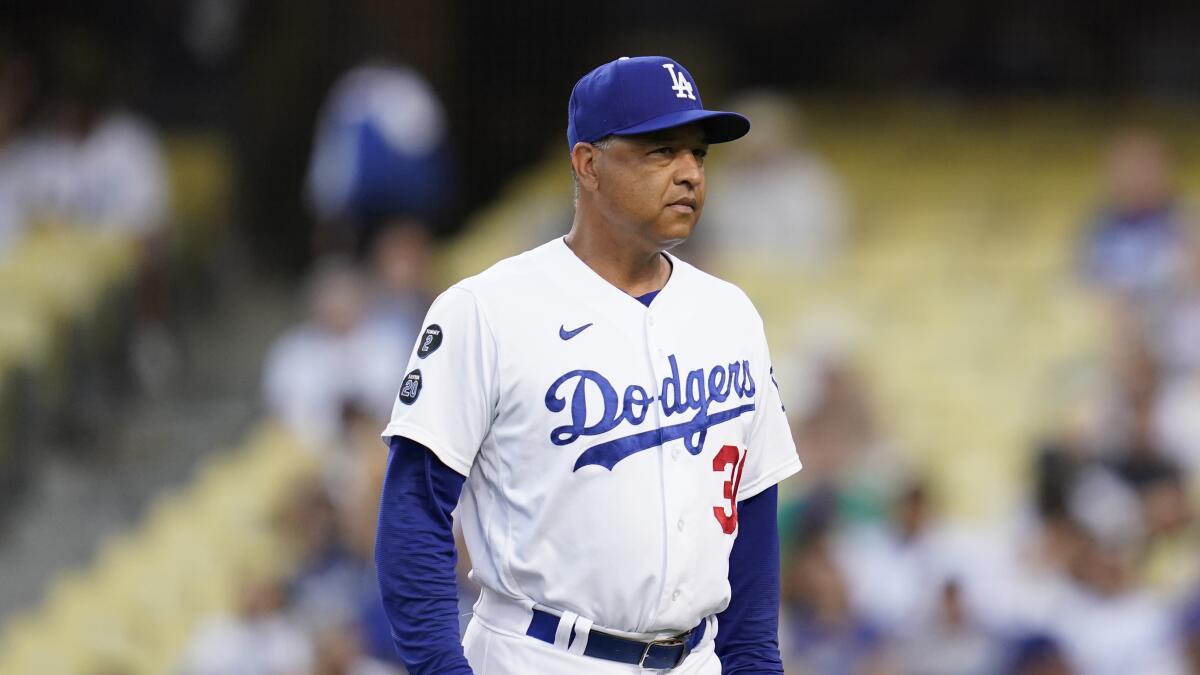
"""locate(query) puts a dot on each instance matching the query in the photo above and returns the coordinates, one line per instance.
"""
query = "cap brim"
(719, 126)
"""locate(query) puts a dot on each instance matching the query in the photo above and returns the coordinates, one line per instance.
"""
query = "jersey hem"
(430, 441)
(772, 477)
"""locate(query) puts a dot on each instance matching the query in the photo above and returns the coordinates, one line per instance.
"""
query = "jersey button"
(650, 321)
(680, 524)
(675, 453)
(675, 595)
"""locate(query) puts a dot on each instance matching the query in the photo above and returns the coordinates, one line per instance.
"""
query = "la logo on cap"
(683, 88)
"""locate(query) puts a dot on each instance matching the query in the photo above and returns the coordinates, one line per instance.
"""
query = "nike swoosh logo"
(568, 334)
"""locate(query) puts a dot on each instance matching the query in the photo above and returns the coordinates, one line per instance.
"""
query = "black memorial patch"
(410, 389)
(431, 339)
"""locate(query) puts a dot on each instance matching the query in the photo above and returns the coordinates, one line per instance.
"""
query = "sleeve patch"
(411, 388)
(431, 339)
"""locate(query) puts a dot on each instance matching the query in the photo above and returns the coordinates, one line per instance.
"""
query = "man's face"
(652, 185)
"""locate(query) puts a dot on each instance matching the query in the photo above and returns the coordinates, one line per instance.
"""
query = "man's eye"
(664, 151)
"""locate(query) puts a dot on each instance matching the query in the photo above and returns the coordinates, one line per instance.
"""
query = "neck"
(631, 266)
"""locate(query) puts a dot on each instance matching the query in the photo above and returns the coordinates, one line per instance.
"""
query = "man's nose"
(689, 170)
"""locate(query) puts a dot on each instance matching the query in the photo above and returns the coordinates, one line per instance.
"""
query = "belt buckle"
(677, 641)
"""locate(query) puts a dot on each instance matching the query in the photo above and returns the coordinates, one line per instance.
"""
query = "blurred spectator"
(1080, 490)
(329, 587)
(820, 631)
(356, 487)
(1097, 468)
(1175, 333)
(779, 203)
(837, 427)
(951, 643)
(399, 260)
(1140, 462)
(334, 361)
(837, 433)
(1060, 465)
(258, 640)
(96, 164)
(1108, 625)
(894, 571)
(381, 151)
(1019, 586)
(1176, 423)
(333, 593)
(1169, 564)
(1134, 241)
(1175, 338)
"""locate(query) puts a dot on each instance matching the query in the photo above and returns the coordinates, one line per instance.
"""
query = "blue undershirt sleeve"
(415, 558)
(748, 630)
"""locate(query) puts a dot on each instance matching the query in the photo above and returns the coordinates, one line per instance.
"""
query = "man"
(614, 413)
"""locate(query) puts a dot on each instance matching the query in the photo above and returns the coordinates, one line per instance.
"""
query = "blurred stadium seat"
(133, 607)
(201, 178)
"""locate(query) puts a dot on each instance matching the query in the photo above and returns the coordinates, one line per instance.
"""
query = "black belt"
(656, 654)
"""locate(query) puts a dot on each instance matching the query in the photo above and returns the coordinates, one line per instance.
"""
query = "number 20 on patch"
(729, 456)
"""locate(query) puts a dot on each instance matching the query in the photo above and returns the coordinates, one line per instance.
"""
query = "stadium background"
(968, 226)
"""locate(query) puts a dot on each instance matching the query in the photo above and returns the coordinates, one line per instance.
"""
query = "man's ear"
(583, 160)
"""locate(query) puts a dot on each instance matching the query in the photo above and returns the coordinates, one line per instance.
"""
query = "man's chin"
(668, 244)
(672, 234)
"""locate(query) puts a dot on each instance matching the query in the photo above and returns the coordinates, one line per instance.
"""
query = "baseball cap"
(642, 94)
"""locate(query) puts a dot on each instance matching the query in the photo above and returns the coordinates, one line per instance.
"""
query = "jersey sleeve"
(447, 400)
(771, 451)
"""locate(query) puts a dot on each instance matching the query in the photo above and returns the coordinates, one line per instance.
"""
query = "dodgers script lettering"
(696, 392)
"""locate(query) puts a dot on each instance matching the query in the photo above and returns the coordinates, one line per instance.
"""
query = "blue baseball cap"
(643, 94)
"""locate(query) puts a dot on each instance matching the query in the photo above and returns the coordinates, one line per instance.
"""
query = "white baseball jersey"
(606, 443)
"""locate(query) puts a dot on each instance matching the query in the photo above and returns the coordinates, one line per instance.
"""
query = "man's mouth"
(684, 205)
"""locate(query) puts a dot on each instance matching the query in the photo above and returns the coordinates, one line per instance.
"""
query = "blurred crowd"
(331, 380)
(73, 156)
(1097, 571)
(326, 616)
(380, 170)
(70, 153)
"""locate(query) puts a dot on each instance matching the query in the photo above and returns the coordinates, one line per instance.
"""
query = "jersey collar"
(588, 276)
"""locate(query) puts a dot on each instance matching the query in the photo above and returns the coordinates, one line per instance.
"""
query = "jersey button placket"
(655, 348)
(657, 369)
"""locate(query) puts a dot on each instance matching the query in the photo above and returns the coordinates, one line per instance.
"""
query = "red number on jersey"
(726, 456)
